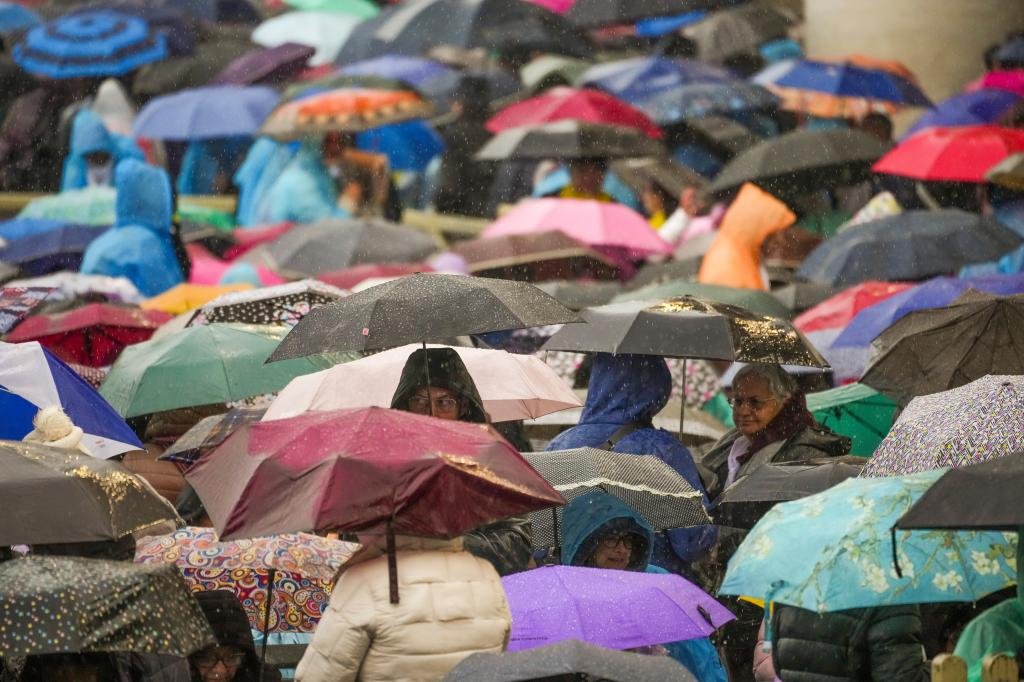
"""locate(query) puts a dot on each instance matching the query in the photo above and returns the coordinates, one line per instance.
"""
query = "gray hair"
(780, 383)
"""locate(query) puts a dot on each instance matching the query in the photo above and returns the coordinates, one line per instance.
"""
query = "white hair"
(781, 384)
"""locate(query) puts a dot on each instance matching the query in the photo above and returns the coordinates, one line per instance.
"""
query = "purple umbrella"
(415, 71)
(970, 108)
(613, 609)
(204, 113)
(266, 66)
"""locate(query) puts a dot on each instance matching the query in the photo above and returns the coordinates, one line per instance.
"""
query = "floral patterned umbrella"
(303, 569)
(834, 551)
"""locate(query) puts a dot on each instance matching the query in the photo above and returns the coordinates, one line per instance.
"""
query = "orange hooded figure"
(734, 259)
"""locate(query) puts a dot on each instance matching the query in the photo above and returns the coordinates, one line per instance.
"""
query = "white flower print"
(950, 580)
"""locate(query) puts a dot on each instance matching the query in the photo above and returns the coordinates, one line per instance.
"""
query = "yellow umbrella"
(185, 297)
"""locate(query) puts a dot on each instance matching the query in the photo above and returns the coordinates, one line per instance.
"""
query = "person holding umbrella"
(233, 657)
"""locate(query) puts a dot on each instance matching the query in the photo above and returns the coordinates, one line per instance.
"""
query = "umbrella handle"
(430, 408)
(392, 565)
(682, 404)
(895, 556)
(266, 620)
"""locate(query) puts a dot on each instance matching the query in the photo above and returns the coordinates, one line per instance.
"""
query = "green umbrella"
(87, 206)
(361, 9)
(203, 365)
(856, 411)
(756, 301)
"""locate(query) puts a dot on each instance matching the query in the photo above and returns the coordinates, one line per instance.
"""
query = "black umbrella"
(580, 294)
(421, 308)
(55, 495)
(799, 296)
(802, 161)
(937, 349)
(912, 245)
(664, 173)
(722, 133)
(54, 605)
(569, 140)
(334, 244)
(209, 433)
(413, 28)
(593, 13)
(572, 659)
(739, 30)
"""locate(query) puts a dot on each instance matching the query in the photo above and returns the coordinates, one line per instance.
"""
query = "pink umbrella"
(557, 6)
(207, 269)
(511, 386)
(605, 226)
(1013, 81)
(250, 237)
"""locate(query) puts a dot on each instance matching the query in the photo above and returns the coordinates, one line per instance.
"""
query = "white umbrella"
(324, 31)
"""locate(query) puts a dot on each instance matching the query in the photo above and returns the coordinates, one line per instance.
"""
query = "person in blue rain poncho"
(94, 153)
(304, 192)
(263, 165)
(139, 245)
(602, 531)
(207, 166)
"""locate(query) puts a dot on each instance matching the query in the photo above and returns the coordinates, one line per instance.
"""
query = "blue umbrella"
(19, 228)
(635, 80)
(90, 43)
(834, 551)
(409, 146)
(659, 26)
(970, 108)
(14, 17)
(204, 113)
(705, 99)
(843, 80)
(58, 249)
(415, 71)
(935, 293)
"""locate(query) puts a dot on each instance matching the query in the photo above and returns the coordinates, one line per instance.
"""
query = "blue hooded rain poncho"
(205, 160)
(139, 245)
(597, 513)
(304, 192)
(263, 165)
(89, 136)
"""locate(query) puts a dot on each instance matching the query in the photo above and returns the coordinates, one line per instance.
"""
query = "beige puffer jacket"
(452, 604)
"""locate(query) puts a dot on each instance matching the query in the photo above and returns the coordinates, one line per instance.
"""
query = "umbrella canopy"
(803, 160)
(699, 100)
(935, 350)
(638, 78)
(568, 140)
(608, 226)
(687, 327)
(361, 9)
(202, 365)
(185, 297)
(738, 30)
(32, 378)
(843, 80)
(511, 386)
(267, 66)
(418, 309)
(569, 657)
(912, 245)
(69, 605)
(208, 112)
(17, 303)
(326, 32)
(69, 285)
(580, 294)
(58, 249)
(426, 75)
(613, 609)
(574, 104)
(670, 176)
(348, 110)
(15, 17)
(87, 206)
(837, 311)
(856, 411)
(973, 423)
(833, 551)
(539, 256)
(365, 470)
(643, 482)
(93, 335)
(760, 302)
(1006, 79)
(970, 108)
(961, 154)
(799, 296)
(352, 277)
(208, 433)
(282, 304)
(89, 44)
(1008, 173)
(58, 495)
(410, 146)
(595, 13)
(331, 244)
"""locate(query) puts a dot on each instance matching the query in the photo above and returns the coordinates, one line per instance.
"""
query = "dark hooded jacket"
(230, 627)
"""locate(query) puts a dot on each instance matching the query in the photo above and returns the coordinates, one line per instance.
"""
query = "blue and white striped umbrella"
(90, 43)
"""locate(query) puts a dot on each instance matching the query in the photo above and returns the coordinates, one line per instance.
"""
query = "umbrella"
(87, 206)
(743, 503)
(935, 350)
(217, 48)
(833, 551)
(266, 66)
(208, 112)
(511, 386)
(800, 296)
(837, 311)
(301, 567)
(93, 335)
(58, 249)
(912, 245)
(595, 13)
(966, 425)
(738, 30)
(656, 27)
(214, 363)
(803, 160)
(361, 9)
(1012, 51)
(844, 80)
(636, 79)
(540, 256)
(568, 140)
(282, 304)
(1008, 173)
(644, 482)
(69, 285)
(331, 244)
(1007, 79)
(418, 309)
(760, 302)
(208, 433)
(57, 605)
(15, 17)
(610, 227)
(967, 109)
(561, 103)
(32, 378)
(856, 411)
(540, 72)
(185, 297)
(346, 110)
(90, 43)
(961, 154)
(410, 146)
(580, 294)
(569, 657)
(326, 32)
(351, 277)
(670, 176)
(613, 609)
(17, 303)
(687, 327)
(426, 75)
(698, 100)
(58, 495)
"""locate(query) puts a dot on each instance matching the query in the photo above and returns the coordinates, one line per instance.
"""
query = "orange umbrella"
(185, 297)
(348, 110)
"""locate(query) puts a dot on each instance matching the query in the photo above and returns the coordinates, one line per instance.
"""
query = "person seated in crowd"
(94, 153)
(233, 658)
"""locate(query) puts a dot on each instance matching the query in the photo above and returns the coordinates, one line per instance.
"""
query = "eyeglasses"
(613, 541)
(229, 659)
(756, 404)
(422, 403)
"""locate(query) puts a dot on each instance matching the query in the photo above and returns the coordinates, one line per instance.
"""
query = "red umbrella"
(247, 238)
(961, 154)
(93, 335)
(350, 277)
(557, 104)
(837, 311)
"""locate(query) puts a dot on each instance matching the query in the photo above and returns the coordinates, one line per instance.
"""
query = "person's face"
(652, 201)
(587, 177)
(97, 158)
(446, 404)
(753, 405)
(614, 551)
(219, 663)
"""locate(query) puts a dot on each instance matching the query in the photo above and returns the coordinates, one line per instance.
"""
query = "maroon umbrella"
(267, 66)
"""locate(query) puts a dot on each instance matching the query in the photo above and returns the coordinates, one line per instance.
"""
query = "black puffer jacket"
(863, 645)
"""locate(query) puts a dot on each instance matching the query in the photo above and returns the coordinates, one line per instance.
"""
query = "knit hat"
(54, 428)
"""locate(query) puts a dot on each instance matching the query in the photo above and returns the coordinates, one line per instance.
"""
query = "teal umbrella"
(757, 301)
(835, 551)
(856, 411)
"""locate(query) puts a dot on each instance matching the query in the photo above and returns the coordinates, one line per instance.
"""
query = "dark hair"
(44, 668)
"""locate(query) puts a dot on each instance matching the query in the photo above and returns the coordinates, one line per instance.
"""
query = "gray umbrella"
(421, 308)
(569, 140)
(572, 659)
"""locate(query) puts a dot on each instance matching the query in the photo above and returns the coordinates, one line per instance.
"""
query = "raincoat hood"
(590, 516)
(89, 135)
(626, 388)
(143, 196)
(446, 371)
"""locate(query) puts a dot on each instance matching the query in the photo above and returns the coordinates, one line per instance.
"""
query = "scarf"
(792, 418)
